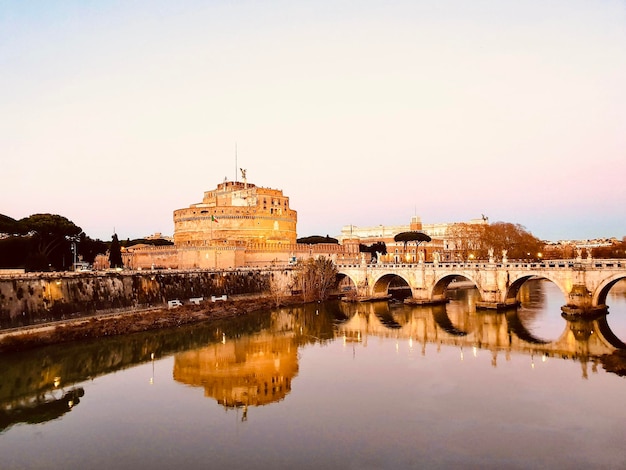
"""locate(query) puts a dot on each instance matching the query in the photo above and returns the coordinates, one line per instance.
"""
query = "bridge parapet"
(545, 264)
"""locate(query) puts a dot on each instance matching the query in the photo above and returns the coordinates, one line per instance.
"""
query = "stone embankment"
(99, 326)
(35, 298)
(45, 308)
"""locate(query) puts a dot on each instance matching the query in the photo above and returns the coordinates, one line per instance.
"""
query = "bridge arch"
(602, 291)
(346, 284)
(443, 282)
(345, 278)
(385, 282)
(514, 288)
(584, 285)
(517, 283)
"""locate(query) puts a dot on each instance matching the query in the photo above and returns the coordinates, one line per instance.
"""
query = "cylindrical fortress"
(237, 212)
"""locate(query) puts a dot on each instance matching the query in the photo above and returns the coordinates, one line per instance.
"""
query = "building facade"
(441, 244)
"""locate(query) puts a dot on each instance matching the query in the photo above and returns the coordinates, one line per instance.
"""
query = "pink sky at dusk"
(114, 114)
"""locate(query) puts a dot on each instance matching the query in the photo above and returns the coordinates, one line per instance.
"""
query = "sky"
(116, 113)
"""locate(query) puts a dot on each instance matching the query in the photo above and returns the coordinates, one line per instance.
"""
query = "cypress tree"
(115, 253)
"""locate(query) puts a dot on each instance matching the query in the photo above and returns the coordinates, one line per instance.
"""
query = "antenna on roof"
(236, 162)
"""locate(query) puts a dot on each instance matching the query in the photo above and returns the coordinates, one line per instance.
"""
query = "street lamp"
(74, 254)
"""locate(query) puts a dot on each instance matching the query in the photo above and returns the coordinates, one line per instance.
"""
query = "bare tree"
(315, 277)
(476, 239)
(465, 239)
(514, 238)
(279, 287)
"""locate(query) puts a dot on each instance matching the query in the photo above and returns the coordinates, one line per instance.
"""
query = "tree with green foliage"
(50, 231)
(413, 236)
(115, 253)
(13, 252)
(315, 277)
(145, 241)
(89, 248)
(14, 247)
(51, 235)
(317, 239)
(373, 249)
(9, 226)
(43, 241)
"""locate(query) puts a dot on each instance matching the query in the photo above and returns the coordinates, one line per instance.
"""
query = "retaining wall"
(36, 298)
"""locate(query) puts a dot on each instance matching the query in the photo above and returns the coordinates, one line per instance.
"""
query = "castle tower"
(416, 224)
(236, 213)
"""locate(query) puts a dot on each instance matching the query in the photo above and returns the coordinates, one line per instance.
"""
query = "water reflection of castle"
(251, 370)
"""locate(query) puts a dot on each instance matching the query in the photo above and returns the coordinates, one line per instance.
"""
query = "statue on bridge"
(491, 258)
(504, 257)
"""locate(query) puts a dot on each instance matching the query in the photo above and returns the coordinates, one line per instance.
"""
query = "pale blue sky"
(114, 114)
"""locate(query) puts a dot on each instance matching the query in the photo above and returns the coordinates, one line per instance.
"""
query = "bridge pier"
(580, 304)
(507, 304)
(421, 297)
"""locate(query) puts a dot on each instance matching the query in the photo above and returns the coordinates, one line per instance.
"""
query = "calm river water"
(329, 386)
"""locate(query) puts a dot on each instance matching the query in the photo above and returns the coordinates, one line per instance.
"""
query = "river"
(331, 385)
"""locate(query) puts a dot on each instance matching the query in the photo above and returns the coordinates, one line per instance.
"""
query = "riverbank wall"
(29, 299)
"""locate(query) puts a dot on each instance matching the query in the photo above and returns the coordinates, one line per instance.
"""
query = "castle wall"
(234, 255)
(216, 256)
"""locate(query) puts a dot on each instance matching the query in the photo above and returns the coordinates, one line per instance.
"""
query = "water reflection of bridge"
(496, 332)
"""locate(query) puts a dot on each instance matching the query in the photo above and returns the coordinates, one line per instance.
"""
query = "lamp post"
(74, 255)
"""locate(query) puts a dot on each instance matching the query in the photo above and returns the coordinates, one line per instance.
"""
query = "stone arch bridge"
(584, 283)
